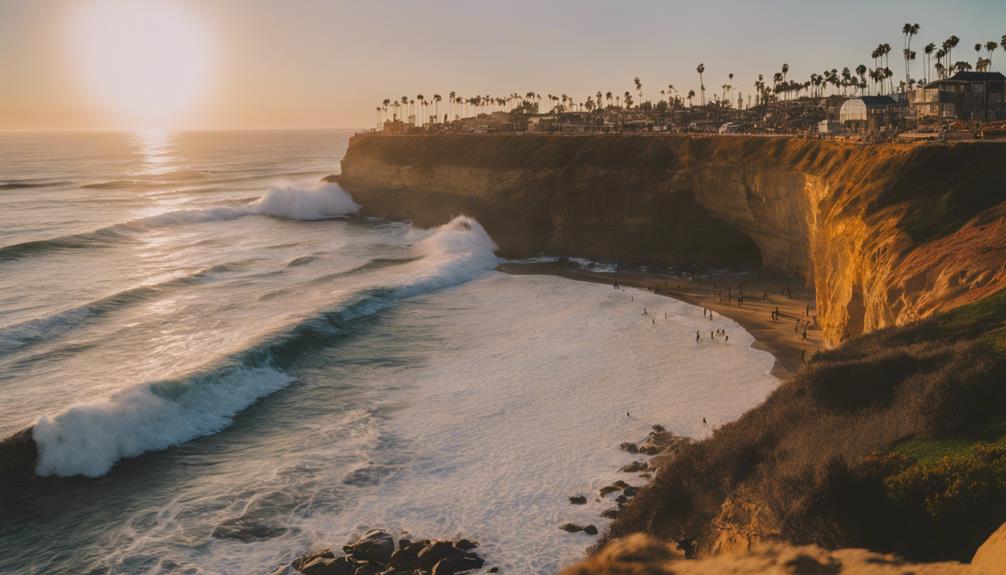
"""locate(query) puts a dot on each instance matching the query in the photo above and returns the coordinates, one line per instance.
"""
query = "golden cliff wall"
(887, 234)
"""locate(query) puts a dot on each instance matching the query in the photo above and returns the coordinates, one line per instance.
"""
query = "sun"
(147, 61)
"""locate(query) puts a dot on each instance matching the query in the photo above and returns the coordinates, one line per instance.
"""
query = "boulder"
(466, 544)
(620, 484)
(610, 513)
(634, 467)
(305, 559)
(405, 559)
(630, 491)
(435, 552)
(571, 528)
(458, 564)
(608, 489)
(630, 447)
(590, 530)
(578, 500)
(991, 556)
(659, 428)
(368, 569)
(376, 546)
(329, 566)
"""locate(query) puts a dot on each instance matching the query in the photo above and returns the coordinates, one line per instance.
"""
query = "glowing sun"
(146, 60)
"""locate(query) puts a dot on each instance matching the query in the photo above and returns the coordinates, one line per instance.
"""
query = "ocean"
(226, 366)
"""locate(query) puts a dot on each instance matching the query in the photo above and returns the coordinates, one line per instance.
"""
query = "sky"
(258, 64)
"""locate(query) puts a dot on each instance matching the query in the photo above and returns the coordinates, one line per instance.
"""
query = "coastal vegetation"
(894, 441)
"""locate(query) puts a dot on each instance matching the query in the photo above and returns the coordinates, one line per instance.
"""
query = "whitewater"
(224, 365)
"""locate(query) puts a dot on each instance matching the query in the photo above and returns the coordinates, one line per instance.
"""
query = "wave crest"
(89, 438)
(295, 203)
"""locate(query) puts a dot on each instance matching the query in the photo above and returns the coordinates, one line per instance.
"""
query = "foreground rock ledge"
(643, 555)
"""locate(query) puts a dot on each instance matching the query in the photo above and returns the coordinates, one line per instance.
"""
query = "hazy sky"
(324, 64)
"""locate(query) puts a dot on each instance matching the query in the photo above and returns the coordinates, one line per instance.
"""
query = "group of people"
(800, 326)
(719, 333)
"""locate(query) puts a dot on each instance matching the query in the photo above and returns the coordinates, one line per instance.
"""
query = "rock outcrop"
(643, 555)
(886, 233)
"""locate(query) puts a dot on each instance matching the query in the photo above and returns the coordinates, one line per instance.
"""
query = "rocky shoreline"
(377, 552)
(660, 447)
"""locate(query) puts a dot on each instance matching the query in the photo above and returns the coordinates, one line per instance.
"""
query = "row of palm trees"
(860, 79)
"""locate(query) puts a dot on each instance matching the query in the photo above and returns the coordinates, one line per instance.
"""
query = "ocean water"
(225, 366)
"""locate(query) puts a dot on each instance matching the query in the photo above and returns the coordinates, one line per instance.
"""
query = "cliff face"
(887, 234)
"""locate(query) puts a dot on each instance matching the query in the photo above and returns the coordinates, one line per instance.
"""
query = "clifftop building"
(868, 113)
(963, 96)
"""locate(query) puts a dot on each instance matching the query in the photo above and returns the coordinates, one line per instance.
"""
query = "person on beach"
(654, 320)
(807, 313)
(804, 332)
(710, 315)
(697, 338)
(704, 312)
(803, 356)
(704, 421)
(616, 284)
(711, 335)
(645, 312)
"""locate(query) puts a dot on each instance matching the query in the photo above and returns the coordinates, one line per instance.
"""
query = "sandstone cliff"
(887, 234)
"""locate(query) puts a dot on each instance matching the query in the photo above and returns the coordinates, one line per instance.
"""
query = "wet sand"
(777, 337)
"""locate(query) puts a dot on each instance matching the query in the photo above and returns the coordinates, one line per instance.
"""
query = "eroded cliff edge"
(886, 233)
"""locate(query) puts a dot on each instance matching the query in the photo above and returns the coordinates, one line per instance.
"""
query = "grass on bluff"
(894, 441)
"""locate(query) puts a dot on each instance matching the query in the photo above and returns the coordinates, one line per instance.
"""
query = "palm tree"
(691, 94)
(608, 96)
(861, 72)
(436, 105)
(909, 30)
(930, 47)
(422, 109)
(990, 47)
(702, 87)
(639, 88)
(949, 46)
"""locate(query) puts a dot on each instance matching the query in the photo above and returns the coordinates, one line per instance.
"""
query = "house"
(830, 128)
(869, 113)
(541, 123)
(964, 96)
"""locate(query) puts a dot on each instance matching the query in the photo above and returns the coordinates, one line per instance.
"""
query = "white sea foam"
(324, 201)
(87, 439)
(299, 203)
(527, 403)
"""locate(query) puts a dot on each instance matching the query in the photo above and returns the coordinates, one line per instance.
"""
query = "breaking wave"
(89, 438)
(324, 201)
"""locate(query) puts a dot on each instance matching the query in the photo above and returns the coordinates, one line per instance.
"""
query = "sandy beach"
(780, 337)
